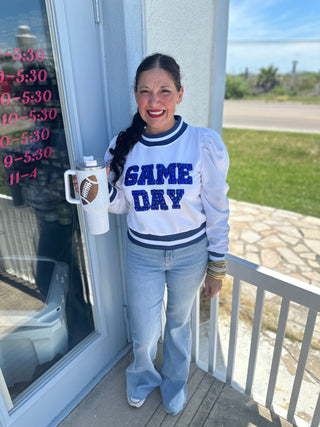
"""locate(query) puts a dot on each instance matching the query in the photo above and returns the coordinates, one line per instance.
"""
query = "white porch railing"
(290, 290)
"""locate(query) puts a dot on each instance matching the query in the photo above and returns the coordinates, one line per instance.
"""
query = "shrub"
(236, 88)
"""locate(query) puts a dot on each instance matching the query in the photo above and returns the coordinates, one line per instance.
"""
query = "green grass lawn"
(276, 169)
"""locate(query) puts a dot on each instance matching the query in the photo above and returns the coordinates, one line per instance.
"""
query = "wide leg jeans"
(148, 272)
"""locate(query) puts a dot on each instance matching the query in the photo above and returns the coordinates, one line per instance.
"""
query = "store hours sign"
(27, 103)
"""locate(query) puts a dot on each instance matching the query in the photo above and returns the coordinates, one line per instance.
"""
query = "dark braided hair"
(128, 138)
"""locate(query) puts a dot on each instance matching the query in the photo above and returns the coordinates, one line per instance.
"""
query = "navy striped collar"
(166, 137)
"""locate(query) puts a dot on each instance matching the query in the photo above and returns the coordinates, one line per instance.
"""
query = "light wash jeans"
(148, 271)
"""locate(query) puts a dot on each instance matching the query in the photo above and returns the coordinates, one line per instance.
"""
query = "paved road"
(282, 116)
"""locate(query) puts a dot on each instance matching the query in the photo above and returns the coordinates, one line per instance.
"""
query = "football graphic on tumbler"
(89, 189)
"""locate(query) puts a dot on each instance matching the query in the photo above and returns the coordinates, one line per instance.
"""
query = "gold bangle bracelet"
(218, 277)
(217, 263)
(217, 270)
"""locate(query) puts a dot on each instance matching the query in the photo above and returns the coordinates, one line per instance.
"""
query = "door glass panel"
(45, 298)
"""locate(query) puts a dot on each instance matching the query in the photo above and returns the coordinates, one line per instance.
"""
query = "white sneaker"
(135, 402)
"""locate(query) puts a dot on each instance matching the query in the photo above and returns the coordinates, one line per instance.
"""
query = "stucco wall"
(186, 30)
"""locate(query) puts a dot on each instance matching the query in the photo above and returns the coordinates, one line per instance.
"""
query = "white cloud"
(247, 20)
(273, 20)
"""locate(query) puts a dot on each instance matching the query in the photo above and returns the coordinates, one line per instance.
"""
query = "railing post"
(256, 327)
(213, 334)
(195, 328)
(308, 331)
(277, 350)
(236, 295)
(316, 415)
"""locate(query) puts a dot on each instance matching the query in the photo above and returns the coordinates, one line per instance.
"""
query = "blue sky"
(296, 22)
(274, 20)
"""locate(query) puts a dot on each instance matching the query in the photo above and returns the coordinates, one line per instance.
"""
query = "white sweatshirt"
(174, 189)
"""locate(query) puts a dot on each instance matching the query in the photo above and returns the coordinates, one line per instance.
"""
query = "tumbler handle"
(69, 172)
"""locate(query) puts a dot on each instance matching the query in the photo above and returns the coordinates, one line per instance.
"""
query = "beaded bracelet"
(217, 269)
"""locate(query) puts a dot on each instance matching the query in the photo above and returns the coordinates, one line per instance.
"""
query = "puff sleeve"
(214, 189)
(118, 202)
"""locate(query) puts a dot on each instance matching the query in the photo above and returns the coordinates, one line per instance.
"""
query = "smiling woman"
(157, 97)
(170, 178)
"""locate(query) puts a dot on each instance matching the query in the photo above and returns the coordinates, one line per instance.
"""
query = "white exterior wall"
(195, 34)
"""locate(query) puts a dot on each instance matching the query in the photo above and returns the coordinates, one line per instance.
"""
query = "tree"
(267, 78)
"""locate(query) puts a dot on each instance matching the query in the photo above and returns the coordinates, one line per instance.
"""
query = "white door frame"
(88, 126)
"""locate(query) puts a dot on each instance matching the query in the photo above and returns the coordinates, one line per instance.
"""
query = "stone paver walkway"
(283, 241)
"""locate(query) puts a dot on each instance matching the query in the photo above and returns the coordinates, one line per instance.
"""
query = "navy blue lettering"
(142, 202)
(175, 196)
(183, 173)
(170, 172)
(146, 175)
(158, 200)
(145, 200)
(175, 173)
(131, 178)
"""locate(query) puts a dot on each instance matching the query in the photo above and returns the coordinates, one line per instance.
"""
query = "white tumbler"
(93, 191)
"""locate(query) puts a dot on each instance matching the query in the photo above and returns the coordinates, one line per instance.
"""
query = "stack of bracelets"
(217, 269)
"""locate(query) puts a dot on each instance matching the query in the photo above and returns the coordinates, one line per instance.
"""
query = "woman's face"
(157, 97)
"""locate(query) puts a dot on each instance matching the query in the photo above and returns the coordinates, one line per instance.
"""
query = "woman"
(171, 179)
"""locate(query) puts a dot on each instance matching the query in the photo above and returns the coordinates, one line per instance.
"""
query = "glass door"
(46, 306)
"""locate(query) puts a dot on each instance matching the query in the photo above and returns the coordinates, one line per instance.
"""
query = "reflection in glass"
(45, 306)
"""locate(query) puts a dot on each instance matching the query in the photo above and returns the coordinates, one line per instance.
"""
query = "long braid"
(124, 144)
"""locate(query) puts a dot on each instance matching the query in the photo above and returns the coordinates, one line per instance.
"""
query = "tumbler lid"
(90, 163)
